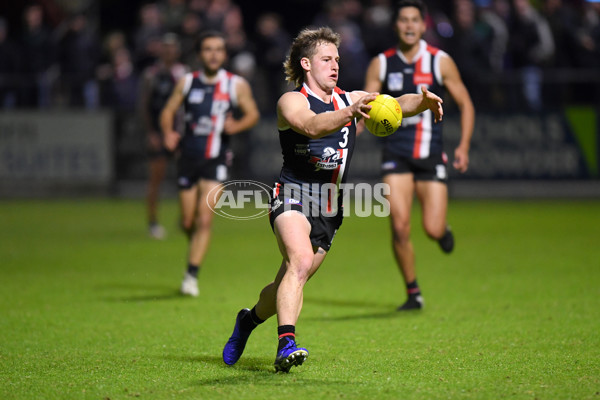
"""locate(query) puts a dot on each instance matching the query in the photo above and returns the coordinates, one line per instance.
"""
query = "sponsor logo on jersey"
(423, 79)
(301, 149)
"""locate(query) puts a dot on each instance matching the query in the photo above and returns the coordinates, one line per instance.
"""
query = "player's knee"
(401, 231)
(300, 266)
(435, 231)
(187, 225)
(204, 222)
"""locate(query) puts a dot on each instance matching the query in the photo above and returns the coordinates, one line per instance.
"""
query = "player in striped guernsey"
(413, 158)
(317, 129)
(209, 97)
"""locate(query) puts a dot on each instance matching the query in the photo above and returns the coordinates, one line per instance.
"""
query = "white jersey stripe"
(382, 66)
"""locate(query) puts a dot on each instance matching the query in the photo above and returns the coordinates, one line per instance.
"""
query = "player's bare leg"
(401, 198)
(156, 174)
(433, 197)
(188, 200)
(209, 192)
(291, 230)
(196, 221)
(301, 261)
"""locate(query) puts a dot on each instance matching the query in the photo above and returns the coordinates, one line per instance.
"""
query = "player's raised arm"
(293, 111)
(413, 104)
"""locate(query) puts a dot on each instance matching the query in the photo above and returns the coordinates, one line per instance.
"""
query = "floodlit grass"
(89, 307)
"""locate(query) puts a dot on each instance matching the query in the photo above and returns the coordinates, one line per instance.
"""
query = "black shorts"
(191, 170)
(163, 152)
(433, 168)
(323, 228)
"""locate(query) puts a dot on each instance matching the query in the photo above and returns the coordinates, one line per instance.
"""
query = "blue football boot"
(289, 356)
(237, 342)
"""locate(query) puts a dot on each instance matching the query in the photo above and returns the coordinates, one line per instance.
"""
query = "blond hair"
(305, 45)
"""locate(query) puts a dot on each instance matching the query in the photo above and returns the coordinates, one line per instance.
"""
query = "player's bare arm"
(413, 104)
(145, 101)
(460, 95)
(247, 104)
(293, 111)
(172, 137)
(154, 138)
(372, 82)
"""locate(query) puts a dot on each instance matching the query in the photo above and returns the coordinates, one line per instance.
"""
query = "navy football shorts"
(191, 170)
(323, 228)
(433, 168)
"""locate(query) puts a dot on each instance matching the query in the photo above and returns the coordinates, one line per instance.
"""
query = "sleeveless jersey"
(419, 136)
(163, 82)
(206, 106)
(315, 162)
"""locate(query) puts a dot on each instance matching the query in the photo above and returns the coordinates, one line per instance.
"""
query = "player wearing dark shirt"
(159, 80)
(316, 125)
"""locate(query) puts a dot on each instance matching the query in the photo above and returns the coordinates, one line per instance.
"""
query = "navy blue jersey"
(206, 106)
(162, 82)
(319, 161)
(418, 137)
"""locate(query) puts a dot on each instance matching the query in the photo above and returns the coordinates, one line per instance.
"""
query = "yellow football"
(385, 116)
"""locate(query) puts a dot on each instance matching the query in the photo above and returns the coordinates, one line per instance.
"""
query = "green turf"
(89, 307)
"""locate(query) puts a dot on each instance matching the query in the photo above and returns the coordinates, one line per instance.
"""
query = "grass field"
(89, 307)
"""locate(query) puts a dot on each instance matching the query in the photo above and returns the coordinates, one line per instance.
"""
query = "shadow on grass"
(347, 303)
(380, 310)
(171, 295)
(253, 364)
(251, 371)
(142, 292)
(362, 316)
(271, 378)
(130, 286)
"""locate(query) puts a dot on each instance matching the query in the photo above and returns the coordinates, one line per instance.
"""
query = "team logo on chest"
(330, 159)
(196, 96)
(396, 81)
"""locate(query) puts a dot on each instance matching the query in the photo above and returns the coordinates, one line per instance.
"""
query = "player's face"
(325, 66)
(410, 26)
(170, 52)
(213, 54)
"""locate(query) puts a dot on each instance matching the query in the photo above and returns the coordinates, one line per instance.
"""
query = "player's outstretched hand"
(434, 103)
(361, 108)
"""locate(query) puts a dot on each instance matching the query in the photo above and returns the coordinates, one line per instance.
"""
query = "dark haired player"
(209, 96)
(159, 80)
(413, 158)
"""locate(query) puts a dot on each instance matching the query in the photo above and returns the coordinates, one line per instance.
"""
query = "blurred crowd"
(72, 61)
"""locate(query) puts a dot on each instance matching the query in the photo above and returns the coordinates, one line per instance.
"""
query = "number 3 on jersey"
(345, 132)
